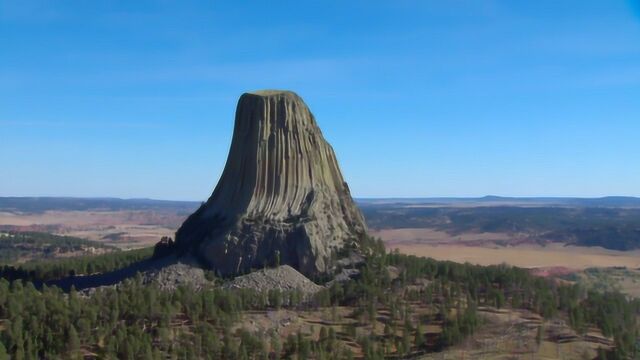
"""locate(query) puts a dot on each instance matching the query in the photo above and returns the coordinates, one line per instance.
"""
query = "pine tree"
(388, 331)
(73, 342)
(539, 335)
(3, 352)
(419, 338)
(19, 355)
(406, 339)
(148, 352)
(276, 347)
(348, 354)
(30, 351)
(602, 354)
(323, 334)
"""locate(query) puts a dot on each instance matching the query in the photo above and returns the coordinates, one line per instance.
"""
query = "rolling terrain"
(400, 307)
(126, 224)
(489, 230)
(426, 317)
(21, 247)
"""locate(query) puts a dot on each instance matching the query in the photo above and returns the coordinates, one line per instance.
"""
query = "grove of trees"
(139, 321)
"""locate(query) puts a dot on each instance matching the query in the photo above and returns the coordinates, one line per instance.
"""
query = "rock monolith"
(281, 198)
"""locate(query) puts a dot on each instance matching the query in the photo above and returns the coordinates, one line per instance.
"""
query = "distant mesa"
(281, 198)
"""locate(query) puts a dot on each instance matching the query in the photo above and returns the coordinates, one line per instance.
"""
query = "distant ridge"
(40, 204)
(36, 204)
(607, 201)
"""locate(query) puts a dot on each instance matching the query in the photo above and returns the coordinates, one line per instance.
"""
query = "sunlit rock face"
(281, 198)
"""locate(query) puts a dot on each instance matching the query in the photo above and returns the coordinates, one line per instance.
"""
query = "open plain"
(486, 249)
(138, 228)
(126, 229)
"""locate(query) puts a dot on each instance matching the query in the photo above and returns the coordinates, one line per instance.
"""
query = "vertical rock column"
(281, 197)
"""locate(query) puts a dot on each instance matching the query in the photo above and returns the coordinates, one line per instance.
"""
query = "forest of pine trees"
(138, 321)
(53, 269)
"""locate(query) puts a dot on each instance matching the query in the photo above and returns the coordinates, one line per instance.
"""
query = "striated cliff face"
(281, 197)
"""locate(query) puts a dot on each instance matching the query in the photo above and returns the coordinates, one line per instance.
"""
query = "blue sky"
(418, 98)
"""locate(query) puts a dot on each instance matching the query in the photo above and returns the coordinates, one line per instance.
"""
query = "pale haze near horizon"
(419, 99)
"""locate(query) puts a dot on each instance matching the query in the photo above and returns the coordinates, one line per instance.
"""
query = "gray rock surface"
(172, 276)
(281, 198)
(283, 278)
(343, 276)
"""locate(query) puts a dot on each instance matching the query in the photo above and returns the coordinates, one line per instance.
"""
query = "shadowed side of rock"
(167, 273)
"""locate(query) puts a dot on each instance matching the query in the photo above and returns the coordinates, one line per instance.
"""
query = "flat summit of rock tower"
(281, 198)
(272, 92)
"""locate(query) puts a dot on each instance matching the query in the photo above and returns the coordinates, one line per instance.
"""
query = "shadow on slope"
(111, 278)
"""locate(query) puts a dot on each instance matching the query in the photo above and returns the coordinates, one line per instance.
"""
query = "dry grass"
(432, 236)
(624, 280)
(483, 249)
(125, 229)
(503, 334)
(134, 229)
(527, 256)
(511, 334)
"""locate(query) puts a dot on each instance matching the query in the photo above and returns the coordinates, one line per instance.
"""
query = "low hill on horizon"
(36, 204)
(492, 200)
(41, 204)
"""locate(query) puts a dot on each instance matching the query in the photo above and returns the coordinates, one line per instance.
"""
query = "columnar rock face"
(281, 198)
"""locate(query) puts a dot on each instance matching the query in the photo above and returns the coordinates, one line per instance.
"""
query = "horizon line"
(490, 196)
